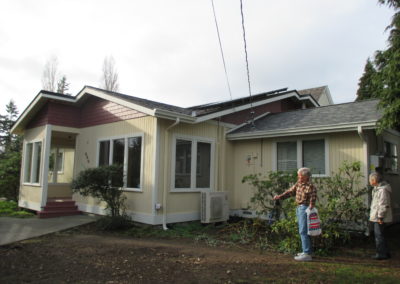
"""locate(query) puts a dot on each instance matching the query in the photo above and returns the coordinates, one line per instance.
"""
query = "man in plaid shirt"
(306, 195)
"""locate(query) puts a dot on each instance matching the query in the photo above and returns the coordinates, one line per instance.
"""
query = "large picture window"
(127, 152)
(33, 157)
(302, 153)
(192, 164)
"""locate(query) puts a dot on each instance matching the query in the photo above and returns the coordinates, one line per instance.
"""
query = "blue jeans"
(381, 246)
(302, 220)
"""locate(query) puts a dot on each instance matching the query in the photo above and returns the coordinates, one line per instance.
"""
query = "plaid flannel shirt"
(306, 193)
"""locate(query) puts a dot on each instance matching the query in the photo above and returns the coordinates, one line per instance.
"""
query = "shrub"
(105, 183)
(341, 205)
(10, 209)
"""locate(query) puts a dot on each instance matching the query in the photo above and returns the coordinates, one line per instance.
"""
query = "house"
(171, 154)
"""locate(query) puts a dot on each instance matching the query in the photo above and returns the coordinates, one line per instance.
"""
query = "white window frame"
(300, 153)
(125, 164)
(33, 164)
(194, 140)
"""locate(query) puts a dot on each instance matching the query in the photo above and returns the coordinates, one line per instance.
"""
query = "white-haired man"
(306, 195)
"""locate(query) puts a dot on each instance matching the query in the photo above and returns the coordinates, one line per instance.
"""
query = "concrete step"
(53, 214)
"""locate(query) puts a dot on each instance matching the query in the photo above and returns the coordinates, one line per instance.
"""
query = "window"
(287, 156)
(391, 157)
(192, 164)
(33, 154)
(127, 152)
(56, 163)
(302, 153)
(314, 156)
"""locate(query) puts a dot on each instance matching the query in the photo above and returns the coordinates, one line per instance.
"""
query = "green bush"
(341, 205)
(10, 209)
(104, 183)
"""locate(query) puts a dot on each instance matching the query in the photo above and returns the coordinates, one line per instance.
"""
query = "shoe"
(303, 257)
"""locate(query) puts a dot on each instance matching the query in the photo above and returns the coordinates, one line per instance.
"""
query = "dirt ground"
(82, 256)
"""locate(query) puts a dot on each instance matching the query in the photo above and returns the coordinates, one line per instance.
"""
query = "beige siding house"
(171, 154)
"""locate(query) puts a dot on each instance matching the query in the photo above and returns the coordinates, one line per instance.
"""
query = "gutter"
(166, 140)
(300, 131)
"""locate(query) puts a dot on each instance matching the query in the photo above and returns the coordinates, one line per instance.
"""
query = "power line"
(222, 51)
(247, 64)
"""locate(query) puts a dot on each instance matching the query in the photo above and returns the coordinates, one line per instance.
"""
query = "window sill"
(193, 190)
(132, 189)
(32, 184)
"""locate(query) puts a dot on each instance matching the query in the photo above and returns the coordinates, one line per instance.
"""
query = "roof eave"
(40, 96)
(161, 113)
(255, 104)
(302, 131)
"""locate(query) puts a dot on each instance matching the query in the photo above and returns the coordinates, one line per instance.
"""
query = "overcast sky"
(168, 50)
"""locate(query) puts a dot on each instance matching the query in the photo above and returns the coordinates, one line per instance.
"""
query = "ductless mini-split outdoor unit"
(214, 207)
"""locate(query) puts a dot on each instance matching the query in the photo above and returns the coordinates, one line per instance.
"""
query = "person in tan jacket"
(380, 214)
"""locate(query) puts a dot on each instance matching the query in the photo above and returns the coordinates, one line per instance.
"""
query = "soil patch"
(85, 256)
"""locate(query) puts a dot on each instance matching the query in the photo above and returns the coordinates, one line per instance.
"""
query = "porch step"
(56, 207)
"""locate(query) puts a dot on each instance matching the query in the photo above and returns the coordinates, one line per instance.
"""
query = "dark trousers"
(381, 246)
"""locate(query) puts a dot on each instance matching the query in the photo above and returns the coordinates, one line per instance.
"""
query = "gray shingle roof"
(314, 92)
(146, 103)
(332, 115)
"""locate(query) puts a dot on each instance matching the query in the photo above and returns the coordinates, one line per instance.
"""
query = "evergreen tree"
(8, 140)
(387, 64)
(10, 154)
(367, 86)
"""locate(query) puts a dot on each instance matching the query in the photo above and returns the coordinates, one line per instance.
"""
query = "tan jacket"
(381, 205)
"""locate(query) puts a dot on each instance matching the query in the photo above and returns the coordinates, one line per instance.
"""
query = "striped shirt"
(306, 193)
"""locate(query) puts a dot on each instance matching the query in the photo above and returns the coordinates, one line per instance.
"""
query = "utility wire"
(222, 51)
(247, 64)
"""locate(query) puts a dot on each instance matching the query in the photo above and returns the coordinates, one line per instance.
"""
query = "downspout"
(367, 166)
(166, 172)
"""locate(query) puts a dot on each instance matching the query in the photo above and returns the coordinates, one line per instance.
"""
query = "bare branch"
(109, 79)
(49, 77)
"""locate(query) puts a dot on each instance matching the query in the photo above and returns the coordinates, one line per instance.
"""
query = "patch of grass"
(10, 209)
(347, 273)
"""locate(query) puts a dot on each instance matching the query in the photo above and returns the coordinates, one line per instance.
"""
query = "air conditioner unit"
(214, 207)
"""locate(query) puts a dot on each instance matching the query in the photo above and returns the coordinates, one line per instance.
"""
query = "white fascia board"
(161, 113)
(247, 106)
(105, 96)
(302, 131)
(34, 103)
